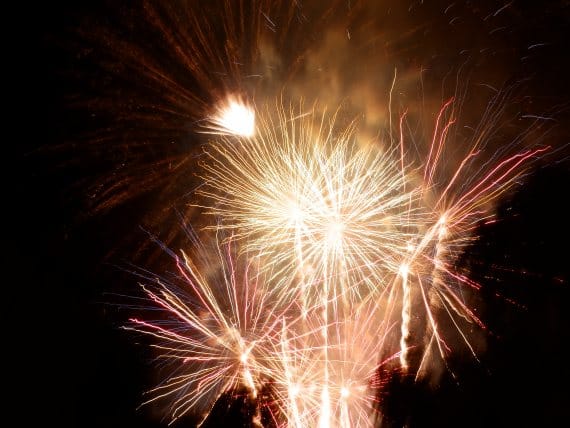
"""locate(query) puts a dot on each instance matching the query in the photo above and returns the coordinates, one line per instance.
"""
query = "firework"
(333, 213)
(220, 330)
(339, 252)
(335, 235)
(348, 221)
(336, 388)
(338, 244)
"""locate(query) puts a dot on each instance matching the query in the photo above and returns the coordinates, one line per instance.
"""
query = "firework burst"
(220, 331)
(318, 204)
(348, 221)
(343, 245)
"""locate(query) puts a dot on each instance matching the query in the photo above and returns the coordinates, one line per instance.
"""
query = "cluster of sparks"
(327, 248)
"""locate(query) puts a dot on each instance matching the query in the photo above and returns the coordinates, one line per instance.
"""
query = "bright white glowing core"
(334, 233)
(236, 118)
(294, 390)
(296, 214)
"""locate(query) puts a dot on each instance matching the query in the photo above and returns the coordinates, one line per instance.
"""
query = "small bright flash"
(236, 118)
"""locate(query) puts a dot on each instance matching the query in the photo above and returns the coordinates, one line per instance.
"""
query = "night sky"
(84, 113)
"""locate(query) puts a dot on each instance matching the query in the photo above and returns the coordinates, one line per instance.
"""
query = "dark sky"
(88, 373)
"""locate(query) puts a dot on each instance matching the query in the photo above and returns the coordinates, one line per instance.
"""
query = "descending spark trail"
(406, 315)
(341, 379)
